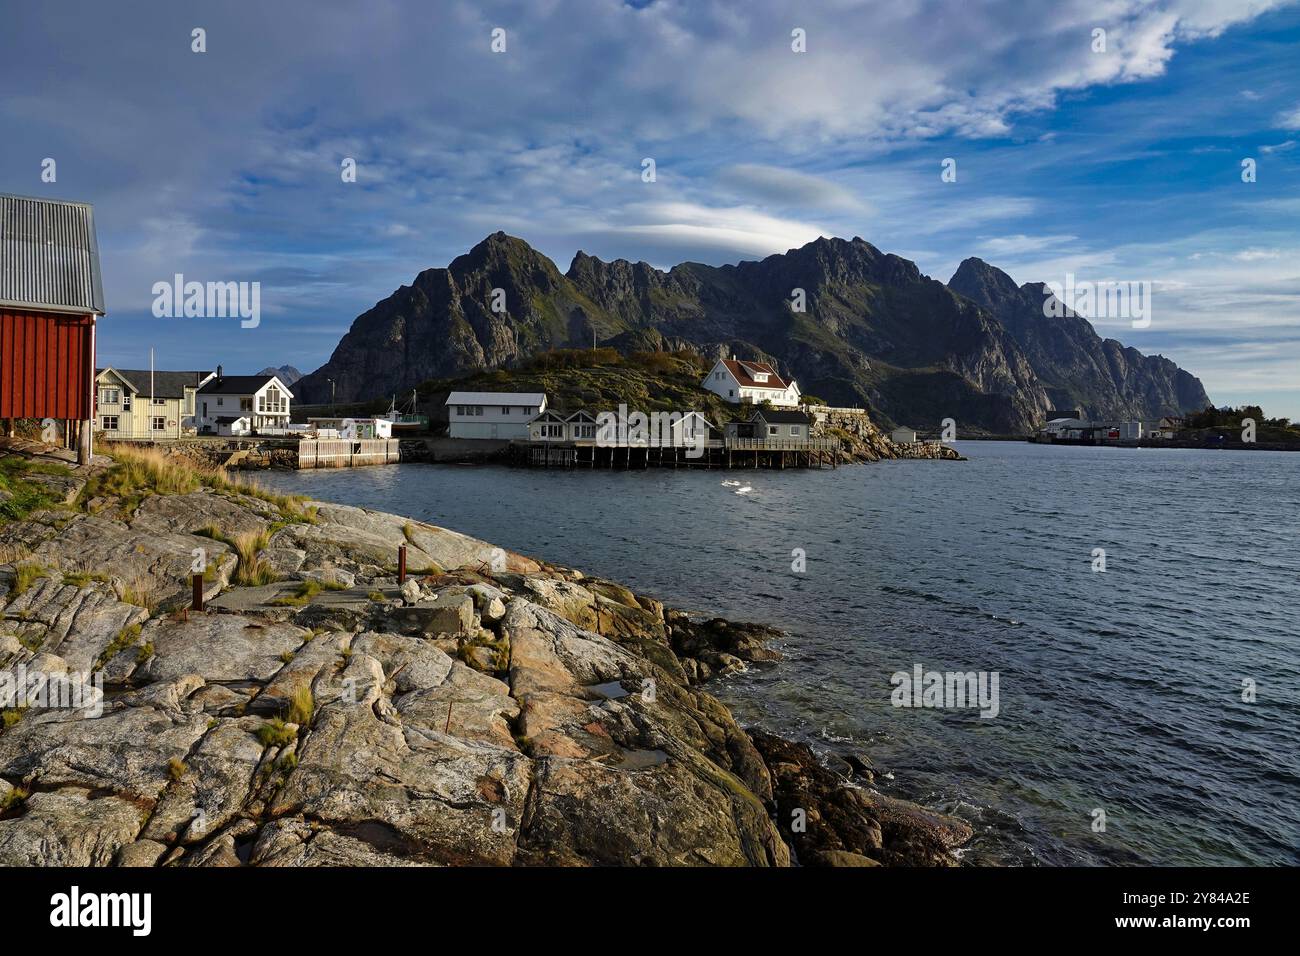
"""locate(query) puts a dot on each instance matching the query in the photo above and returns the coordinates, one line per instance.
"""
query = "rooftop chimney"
(218, 373)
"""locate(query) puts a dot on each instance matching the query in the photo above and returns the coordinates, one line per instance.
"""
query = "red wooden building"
(51, 295)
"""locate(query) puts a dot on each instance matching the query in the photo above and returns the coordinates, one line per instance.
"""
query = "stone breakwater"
(493, 709)
(861, 441)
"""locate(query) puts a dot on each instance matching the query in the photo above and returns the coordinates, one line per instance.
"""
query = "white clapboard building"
(757, 382)
(499, 415)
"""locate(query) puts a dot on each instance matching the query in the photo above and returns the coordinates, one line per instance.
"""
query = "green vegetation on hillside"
(1227, 421)
(600, 379)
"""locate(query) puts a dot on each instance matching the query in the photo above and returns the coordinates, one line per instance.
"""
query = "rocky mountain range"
(874, 331)
(287, 373)
(1077, 367)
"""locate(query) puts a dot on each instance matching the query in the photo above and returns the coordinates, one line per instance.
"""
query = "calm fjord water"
(1120, 691)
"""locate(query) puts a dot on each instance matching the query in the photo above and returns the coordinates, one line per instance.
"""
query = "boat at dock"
(406, 418)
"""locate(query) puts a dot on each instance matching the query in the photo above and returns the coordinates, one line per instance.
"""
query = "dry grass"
(301, 706)
(141, 471)
(13, 553)
(25, 575)
(253, 570)
(142, 590)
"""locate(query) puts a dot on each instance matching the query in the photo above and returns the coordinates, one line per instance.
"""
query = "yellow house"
(137, 403)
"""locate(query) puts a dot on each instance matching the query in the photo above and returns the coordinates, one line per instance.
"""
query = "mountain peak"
(982, 283)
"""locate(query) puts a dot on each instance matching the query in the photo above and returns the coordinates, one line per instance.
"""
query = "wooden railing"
(782, 444)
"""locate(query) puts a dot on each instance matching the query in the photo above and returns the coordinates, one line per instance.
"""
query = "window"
(552, 431)
(109, 423)
(160, 401)
(159, 423)
(126, 402)
(110, 396)
(794, 429)
(220, 401)
(772, 429)
(478, 409)
(505, 409)
(246, 404)
(731, 393)
(274, 402)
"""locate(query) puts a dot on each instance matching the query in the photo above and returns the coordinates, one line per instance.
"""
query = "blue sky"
(1121, 165)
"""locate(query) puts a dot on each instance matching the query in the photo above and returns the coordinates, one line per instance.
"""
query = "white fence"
(346, 452)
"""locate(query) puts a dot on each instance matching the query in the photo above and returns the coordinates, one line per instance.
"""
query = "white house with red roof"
(755, 382)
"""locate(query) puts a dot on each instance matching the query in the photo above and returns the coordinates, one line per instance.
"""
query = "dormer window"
(760, 376)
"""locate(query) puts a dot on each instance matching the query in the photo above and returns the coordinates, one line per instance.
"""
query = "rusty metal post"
(401, 564)
(197, 603)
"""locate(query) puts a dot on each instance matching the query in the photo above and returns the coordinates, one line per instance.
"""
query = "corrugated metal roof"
(495, 398)
(49, 258)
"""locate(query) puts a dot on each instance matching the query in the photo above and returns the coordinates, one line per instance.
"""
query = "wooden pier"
(731, 453)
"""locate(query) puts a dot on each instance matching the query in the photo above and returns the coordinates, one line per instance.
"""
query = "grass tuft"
(276, 733)
(253, 570)
(25, 575)
(301, 706)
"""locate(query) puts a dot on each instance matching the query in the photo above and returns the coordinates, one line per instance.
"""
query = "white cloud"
(1289, 119)
(685, 224)
(1020, 244)
(788, 187)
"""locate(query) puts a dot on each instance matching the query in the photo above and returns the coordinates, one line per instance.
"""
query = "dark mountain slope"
(1078, 368)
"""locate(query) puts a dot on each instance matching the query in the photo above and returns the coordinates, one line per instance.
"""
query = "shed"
(51, 295)
(903, 436)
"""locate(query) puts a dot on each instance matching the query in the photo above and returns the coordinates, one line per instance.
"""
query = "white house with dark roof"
(500, 415)
(777, 426)
(743, 381)
(261, 399)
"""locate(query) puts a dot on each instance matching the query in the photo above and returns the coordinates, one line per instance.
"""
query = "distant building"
(773, 425)
(262, 399)
(548, 426)
(51, 295)
(1057, 413)
(353, 427)
(1164, 428)
(903, 436)
(232, 426)
(1130, 431)
(757, 382)
(138, 403)
(581, 426)
(498, 415)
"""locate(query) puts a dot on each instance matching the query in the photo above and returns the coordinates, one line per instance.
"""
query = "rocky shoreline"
(492, 710)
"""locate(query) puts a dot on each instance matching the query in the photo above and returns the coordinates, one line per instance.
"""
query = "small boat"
(405, 418)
